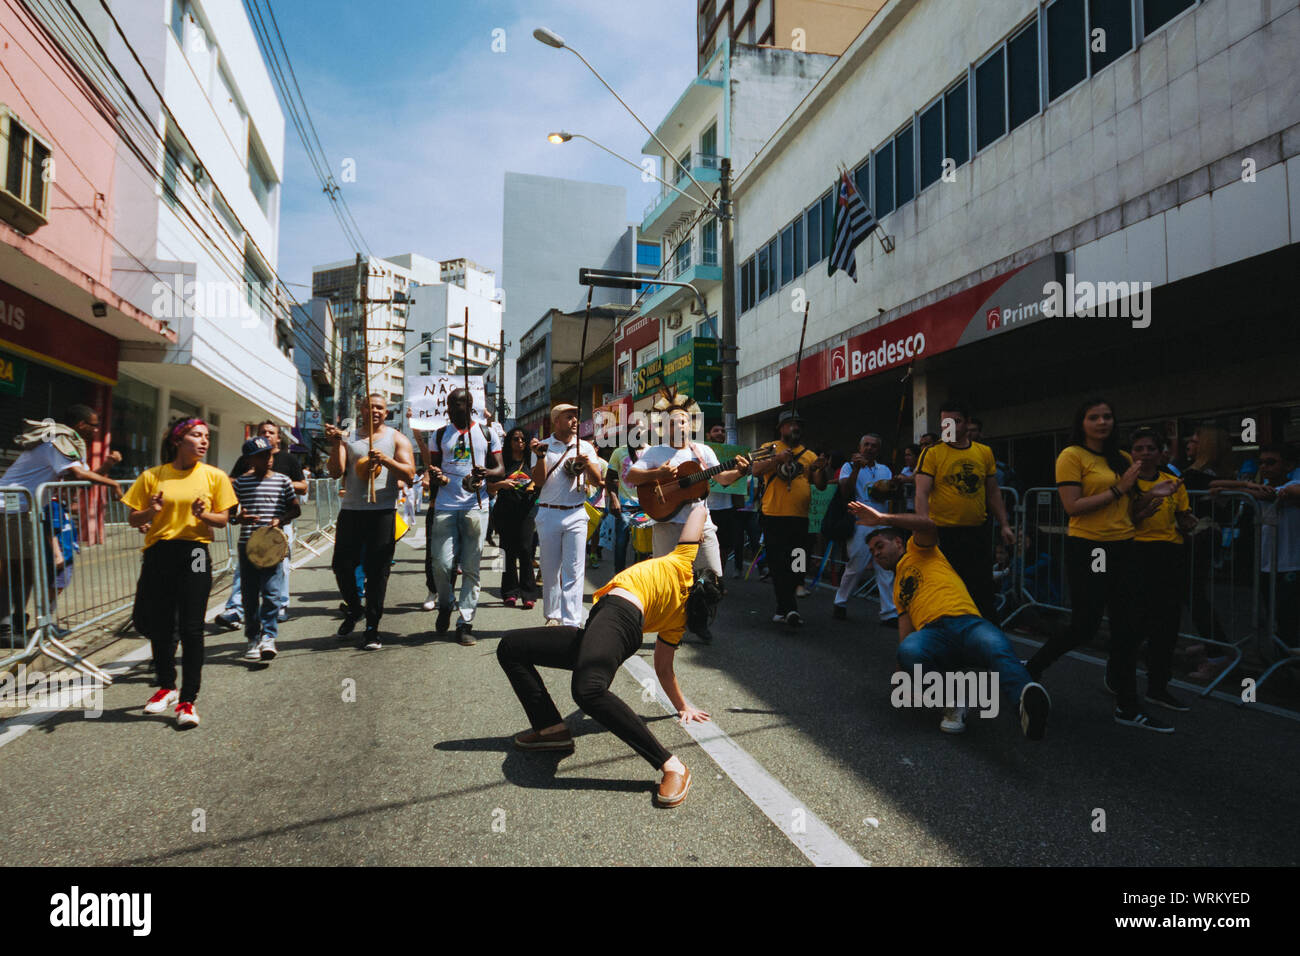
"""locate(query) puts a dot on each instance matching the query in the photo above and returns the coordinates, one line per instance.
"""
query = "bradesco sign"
(993, 307)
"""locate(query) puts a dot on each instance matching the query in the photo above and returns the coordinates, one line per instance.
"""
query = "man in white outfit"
(856, 478)
(565, 466)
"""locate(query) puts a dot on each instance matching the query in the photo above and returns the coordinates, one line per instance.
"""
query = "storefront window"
(134, 423)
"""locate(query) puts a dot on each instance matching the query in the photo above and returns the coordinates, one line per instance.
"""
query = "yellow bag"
(594, 518)
(643, 540)
(401, 526)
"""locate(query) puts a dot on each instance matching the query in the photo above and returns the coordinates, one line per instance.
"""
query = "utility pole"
(360, 297)
(501, 380)
(729, 348)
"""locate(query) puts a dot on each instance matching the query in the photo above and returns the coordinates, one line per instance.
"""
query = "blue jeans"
(622, 536)
(262, 586)
(967, 642)
(235, 602)
(452, 534)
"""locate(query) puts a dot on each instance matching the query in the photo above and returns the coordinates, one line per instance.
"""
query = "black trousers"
(1162, 577)
(1115, 591)
(969, 549)
(375, 532)
(731, 536)
(175, 583)
(515, 532)
(782, 535)
(593, 653)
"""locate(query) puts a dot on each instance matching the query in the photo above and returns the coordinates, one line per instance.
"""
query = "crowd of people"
(936, 538)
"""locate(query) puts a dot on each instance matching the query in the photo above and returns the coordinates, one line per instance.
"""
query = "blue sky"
(413, 92)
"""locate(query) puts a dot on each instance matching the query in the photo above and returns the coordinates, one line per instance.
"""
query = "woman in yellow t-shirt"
(1094, 479)
(178, 504)
(1162, 514)
(661, 595)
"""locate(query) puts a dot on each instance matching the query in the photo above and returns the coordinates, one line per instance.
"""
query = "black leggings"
(1162, 576)
(593, 653)
(175, 583)
(374, 532)
(1115, 591)
(782, 535)
(515, 532)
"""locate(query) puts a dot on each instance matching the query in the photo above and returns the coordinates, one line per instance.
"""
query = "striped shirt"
(267, 497)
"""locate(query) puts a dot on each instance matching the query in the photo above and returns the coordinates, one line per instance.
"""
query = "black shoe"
(1035, 705)
(1135, 718)
(371, 641)
(889, 622)
(1166, 698)
(793, 619)
(1106, 682)
(840, 612)
(465, 633)
(705, 635)
(348, 624)
(444, 620)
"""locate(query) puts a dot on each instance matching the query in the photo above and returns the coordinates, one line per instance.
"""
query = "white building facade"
(1003, 148)
(202, 236)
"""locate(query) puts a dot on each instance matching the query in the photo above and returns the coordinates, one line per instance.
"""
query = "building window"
(956, 124)
(828, 222)
(178, 20)
(764, 275)
(747, 285)
(683, 337)
(787, 255)
(930, 126)
(1116, 22)
(772, 261)
(1156, 13)
(649, 254)
(904, 176)
(884, 159)
(260, 179)
(798, 246)
(624, 376)
(710, 236)
(1022, 75)
(709, 147)
(814, 230)
(1067, 46)
(862, 180)
(990, 99)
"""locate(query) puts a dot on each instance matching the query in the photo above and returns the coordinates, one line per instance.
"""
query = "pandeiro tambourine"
(573, 467)
(267, 547)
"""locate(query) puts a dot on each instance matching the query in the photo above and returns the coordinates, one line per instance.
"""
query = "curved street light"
(564, 137)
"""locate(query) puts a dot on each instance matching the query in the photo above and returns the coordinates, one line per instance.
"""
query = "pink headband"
(180, 428)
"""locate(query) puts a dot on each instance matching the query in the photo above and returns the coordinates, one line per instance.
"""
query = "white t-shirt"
(458, 461)
(561, 488)
(868, 476)
(658, 455)
(1284, 514)
(36, 466)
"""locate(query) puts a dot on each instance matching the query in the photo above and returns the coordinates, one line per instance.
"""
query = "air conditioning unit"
(23, 165)
(674, 320)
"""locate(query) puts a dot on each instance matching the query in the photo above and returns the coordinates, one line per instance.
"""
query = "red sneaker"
(161, 700)
(185, 716)
(528, 604)
(510, 601)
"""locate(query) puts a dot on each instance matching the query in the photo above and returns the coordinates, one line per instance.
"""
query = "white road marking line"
(19, 724)
(804, 829)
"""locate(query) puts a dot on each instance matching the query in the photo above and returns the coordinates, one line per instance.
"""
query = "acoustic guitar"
(661, 500)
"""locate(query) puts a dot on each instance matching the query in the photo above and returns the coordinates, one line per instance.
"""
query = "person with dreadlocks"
(178, 504)
(661, 595)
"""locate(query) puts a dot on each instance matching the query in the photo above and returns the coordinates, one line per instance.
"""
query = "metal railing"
(19, 554)
(1223, 593)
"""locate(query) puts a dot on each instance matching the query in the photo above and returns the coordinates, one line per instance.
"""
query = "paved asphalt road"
(419, 768)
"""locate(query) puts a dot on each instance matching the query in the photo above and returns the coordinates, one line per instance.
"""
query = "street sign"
(311, 421)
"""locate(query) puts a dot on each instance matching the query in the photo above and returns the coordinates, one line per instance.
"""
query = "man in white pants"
(565, 466)
(659, 463)
(856, 479)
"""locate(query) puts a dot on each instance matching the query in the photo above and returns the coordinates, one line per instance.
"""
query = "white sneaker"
(254, 651)
(778, 618)
(430, 602)
(267, 649)
(185, 716)
(954, 720)
(161, 700)
(801, 591)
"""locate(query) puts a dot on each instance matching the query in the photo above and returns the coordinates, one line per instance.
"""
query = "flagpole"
(794, 404)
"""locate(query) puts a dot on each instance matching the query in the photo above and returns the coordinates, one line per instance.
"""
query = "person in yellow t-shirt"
(939, 627)
(789, 477)
(1162, 514)
(661, 595)
(178, 504)
(1094, 479)
(957, 487)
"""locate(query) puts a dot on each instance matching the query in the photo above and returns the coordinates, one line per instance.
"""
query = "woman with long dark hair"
(178, 504)
(1095, 480)
(513, 515)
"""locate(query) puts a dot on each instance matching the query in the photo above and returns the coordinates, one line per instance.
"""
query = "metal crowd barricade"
(1271, 643)
(320, 511)
(1223, 579)
(20, 553)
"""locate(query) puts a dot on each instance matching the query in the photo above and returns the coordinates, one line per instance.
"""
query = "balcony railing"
(681, 180)
(682, 264)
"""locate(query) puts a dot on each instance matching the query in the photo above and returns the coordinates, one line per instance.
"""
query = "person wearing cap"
(177, 505)
(787, 494)
(565, 466)
(266, 499)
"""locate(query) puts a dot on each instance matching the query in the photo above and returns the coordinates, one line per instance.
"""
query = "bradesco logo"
(999, 318)
(887, 354)
(839, 363)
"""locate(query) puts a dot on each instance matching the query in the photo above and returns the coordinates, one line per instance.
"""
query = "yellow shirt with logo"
(662, 585)
(179, 490)
(926, 587)
(1081, 466)
(782, 499)
(1161, 526)
(957, 497)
